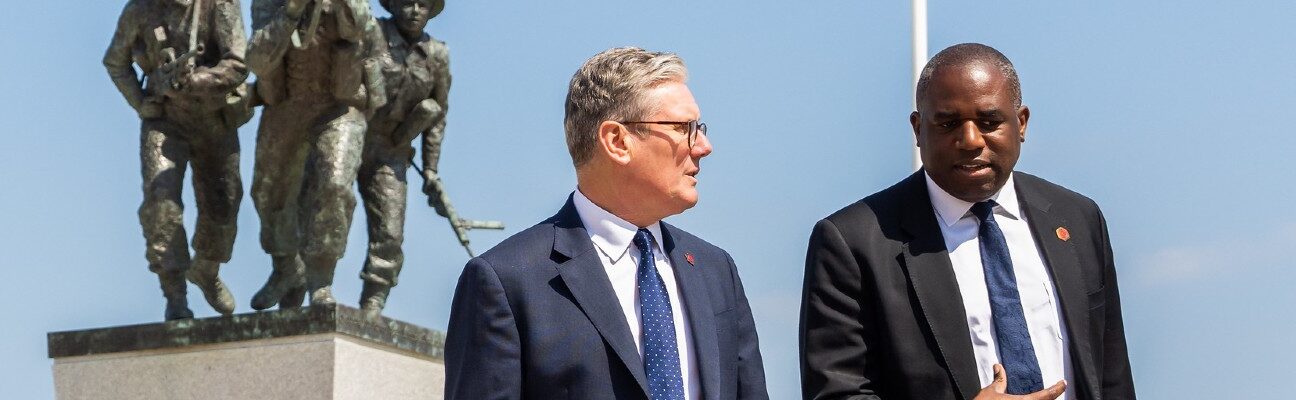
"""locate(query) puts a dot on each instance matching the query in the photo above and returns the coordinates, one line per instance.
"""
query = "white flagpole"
(919, 58)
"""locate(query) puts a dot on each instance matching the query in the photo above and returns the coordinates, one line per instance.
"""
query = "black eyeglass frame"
(694, 126)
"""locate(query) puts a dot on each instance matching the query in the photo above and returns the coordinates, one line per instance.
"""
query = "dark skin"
(1000, 384)
(969, 133)
(968, 130)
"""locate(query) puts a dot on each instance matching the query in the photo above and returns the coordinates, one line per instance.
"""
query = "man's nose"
(970, 137)
(702, 146)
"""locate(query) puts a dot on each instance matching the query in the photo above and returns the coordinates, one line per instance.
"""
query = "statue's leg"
(330, 200)
(218, 189)
(281, 152)
(383, 187)
(163, 157)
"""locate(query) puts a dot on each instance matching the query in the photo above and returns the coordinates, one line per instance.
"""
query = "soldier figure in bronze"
(318, 81)
(416, 69)
(191, 100)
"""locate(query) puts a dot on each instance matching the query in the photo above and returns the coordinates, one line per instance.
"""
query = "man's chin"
(977, 192)
(686, 199)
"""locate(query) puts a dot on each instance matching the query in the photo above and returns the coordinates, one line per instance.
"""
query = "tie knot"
(984, 209)
(643, 239)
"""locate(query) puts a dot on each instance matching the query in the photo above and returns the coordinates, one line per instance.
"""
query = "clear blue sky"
(1169, 114)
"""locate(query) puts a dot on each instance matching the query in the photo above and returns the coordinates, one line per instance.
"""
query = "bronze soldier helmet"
(437, 6)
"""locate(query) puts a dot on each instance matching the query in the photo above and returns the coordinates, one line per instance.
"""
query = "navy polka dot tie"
(1016, 352)
(660, 352)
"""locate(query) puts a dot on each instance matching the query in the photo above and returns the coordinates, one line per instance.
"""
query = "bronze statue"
(191, 100)
(317, 80)
(416, 69)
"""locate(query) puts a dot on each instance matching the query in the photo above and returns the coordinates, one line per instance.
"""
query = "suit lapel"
(1064, 265)
(932, 276)
(701, 316)
(583, 273)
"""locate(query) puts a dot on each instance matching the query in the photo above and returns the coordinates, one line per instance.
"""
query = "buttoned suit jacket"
(536, 318)
(881, 313)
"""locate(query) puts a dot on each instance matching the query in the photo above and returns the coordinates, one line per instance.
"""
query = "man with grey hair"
(603, 300)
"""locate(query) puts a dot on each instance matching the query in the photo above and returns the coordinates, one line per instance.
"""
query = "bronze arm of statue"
(230, 42)
(120, 57)
(273, 23)
(432, 136)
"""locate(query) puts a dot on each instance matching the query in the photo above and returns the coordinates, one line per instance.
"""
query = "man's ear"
(615, 141)
(915, 120)
(1023, 116)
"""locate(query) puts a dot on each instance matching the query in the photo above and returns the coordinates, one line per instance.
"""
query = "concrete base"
(333, 364)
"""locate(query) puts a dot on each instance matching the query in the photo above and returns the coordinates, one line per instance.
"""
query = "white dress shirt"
(612, 237)
(1038, 297)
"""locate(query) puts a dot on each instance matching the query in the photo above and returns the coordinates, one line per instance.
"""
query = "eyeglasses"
(694, 128)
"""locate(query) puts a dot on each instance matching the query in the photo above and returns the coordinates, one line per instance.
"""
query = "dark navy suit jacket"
(536, 318)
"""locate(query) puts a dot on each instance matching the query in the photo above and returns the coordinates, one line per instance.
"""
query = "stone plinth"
(309, 353)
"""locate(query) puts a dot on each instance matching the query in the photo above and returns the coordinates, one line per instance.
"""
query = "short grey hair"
(610, 87)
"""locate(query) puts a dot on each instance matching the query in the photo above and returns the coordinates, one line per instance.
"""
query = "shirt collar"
(611, 234)
(951, 209)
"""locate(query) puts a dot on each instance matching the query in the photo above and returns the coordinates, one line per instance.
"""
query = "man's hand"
(999, 386)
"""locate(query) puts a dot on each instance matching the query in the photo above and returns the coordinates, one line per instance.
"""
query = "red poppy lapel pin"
(689, 257)
(1063, 234)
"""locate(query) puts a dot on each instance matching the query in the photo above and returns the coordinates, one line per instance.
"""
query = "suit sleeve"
(835, 344)
(1117, 379)
(751, 369)
(482, 351)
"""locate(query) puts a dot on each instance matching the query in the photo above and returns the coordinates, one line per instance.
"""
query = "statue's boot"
(175, 290)
(206, 275)
(294, 298)
(319, 280)
(373, 298)
(289, 273)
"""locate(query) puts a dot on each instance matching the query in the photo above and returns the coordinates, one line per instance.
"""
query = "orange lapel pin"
(1063, 234)
(689, 257)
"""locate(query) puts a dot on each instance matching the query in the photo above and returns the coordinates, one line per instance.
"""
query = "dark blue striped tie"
(660, 352)
(1016, 352)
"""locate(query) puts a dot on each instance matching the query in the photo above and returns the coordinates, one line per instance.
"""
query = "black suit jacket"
(536, 318)
(881, 314)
